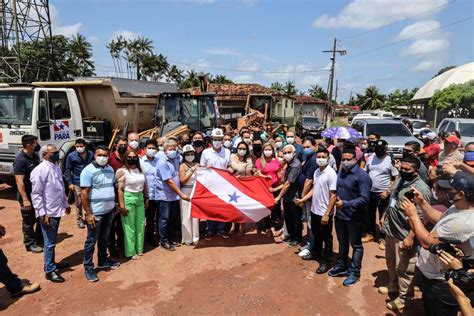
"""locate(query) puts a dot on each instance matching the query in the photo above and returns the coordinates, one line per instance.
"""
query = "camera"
(462, 278)
(410, 195)
(445, 244)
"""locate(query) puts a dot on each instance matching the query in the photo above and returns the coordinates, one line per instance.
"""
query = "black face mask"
(132, 161)
(122, 149)
(198, 143)
(37, 148)
(407, 176)
(257, 147)
(407, 154)
(380, 152)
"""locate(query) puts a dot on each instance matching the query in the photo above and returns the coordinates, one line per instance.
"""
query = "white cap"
(188, 148)
(217, 132)
(430, 136)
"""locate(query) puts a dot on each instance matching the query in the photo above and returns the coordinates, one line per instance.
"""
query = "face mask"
(290, 140)
(54, 157)
(101, 161)
(348, 165)
(407, 176)
(279, 144)
(379, 152)
(340, 144)
(133, 144)
(289, 156)
(37, 148)
(281, 160)
(451, 196)
(150, 152)
(248, 141)
(161, 148)
(80, 149)
(257, 147)
(132, 161)
(227, 144)
(322, 161)
(198, 143)
(242, 152)
(263, 137)
(171, 154)
(469, 156)
(363, 146)
(122, 149)
(189, 158)
(217, 143)
(308, 151)
(268, 153)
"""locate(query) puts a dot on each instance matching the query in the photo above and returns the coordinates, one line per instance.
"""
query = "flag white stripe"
(222, 188)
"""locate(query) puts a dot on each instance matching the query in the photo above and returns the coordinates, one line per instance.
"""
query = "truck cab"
(51, 114)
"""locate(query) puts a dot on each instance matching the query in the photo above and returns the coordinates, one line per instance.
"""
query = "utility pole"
(337, 89)
(342, 52)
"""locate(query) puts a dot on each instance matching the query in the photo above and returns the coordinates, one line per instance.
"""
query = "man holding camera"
(400, 248)
(456, 224)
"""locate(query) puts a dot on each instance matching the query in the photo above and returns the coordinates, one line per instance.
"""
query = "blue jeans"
(100, 234)
(168, 222)
(50, 233)
(214, 227)
(349, 232)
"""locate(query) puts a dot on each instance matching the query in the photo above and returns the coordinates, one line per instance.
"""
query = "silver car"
(394, 132)
(464, 126)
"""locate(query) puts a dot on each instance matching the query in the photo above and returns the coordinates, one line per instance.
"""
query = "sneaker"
(176, 244)
(35, 249)
(293, 243)
(27, 289)
(91, 276)
(337, 271)
(208, 237)
(304, 252)
(385, 290)
(382, 244)
(368, 238)
(350, 280)
(223, 235)
(397, 305)
(81, 224)
(110, 264)
(323, 268)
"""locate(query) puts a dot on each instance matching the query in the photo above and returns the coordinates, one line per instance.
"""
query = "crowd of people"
(418, 208)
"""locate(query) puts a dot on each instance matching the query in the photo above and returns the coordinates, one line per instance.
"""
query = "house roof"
(240, 91)
(306, 99)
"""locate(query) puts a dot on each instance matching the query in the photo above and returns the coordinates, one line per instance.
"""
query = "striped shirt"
(102, 193)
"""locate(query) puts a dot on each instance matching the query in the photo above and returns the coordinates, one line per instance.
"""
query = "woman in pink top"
(268, 166)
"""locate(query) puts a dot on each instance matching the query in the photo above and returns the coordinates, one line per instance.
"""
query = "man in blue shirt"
(353, 194)
(148, 164)
(168, 193)
(75, 162)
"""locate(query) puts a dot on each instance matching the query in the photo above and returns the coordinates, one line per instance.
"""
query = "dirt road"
(242, 275)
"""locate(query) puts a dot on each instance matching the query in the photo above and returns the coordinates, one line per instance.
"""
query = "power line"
(408, 38)
(396, 22)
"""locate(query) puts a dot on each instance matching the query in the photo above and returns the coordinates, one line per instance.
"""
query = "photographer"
(456, 223)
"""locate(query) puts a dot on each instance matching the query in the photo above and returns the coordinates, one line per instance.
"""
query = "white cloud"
(95, 40)
(369, 14)
(126, 34)
(427, 65)
(59, 29)
(249, 3)
(426, 47)
(249, 65)
(418, 28)
(243, 79)
(222, 51)
(309, 80)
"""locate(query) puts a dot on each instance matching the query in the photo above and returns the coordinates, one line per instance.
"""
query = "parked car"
(393, 131)
(416, 124)
(465, 127)
(309, 125)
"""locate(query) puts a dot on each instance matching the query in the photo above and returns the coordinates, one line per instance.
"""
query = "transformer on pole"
(23, 21)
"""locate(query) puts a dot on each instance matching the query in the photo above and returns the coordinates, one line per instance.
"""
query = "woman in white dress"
(187, 176)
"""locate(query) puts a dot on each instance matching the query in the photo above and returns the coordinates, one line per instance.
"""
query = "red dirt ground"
(242, 275)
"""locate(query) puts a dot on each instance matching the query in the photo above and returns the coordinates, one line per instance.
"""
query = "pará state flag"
(220, 196)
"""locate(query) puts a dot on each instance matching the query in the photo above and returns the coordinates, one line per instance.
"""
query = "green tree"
(277, 87)
(457, 97)
(372, 99)
(220, 79)
(316, 91)
(444, 69)
(80, 57)
(289, 88)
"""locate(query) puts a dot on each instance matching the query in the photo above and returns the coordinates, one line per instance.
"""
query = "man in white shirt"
(216, 157)
(322, 208)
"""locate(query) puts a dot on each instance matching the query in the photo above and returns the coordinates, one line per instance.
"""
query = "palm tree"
(372, 99)
(278, 87)
(80, 56)
(290, 88)
(316, 91)
(191, 80)
(220, 79)
(175, 74)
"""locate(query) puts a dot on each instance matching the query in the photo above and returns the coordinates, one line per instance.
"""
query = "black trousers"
(293, 220)
(322, 238)
(151, 215)
(375, 203)
(437, 299)
(116, 233)
(7, 277)
(31, 228)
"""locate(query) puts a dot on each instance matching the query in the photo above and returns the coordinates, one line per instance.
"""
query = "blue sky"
(264, 41)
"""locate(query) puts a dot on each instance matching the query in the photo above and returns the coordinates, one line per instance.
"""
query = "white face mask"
(363, 146)
(322, 161)
(227, 144)
(217, 144)
(151, 152)
(279, 144)
(101, 161)
(133, 144)
(248, 140)
(281, 160)
(290, 140)
(289, 156)
(160, 148)
(189, 158)
(81, 149)
(241, 152)
(268, 153)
